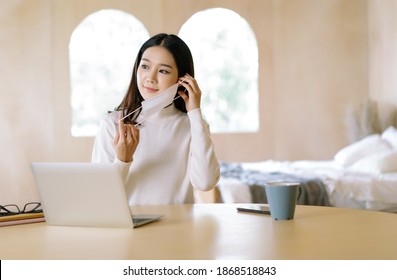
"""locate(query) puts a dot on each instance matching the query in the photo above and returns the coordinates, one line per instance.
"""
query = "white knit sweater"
(175, 153)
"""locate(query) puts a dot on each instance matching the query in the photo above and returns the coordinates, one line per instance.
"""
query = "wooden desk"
(214, 231)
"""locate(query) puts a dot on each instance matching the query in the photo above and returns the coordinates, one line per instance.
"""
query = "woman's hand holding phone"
(192, 93)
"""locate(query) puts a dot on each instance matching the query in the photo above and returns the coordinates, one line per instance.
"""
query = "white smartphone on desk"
(259, 209)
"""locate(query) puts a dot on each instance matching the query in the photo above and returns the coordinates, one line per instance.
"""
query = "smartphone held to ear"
(259, 209)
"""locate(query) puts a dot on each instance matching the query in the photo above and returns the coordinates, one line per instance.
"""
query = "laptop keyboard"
(140, 220)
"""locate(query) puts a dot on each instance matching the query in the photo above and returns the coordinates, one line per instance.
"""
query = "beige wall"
(316, 59)
(383, 56)
(26, 99)
(321, 67)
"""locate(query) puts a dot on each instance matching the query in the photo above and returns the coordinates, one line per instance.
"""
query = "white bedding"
(362, 175)
(345, 187)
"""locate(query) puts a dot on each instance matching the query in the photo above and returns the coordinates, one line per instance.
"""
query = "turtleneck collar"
(163, 113)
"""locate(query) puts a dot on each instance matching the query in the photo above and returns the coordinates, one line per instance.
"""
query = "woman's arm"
(204, 168)
(204, 171)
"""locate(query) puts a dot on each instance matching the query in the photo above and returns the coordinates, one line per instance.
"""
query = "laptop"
(85, 194)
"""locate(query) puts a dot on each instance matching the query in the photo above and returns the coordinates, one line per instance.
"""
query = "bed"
(362, 175)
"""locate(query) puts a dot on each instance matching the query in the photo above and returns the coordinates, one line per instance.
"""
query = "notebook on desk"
(85, 194)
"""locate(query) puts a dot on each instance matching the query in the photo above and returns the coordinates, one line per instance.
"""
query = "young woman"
(170, 152)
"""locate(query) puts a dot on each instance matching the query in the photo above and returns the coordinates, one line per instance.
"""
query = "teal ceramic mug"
(282, 198)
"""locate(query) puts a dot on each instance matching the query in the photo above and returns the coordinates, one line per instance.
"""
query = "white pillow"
(367, 164)
(390, 135)
(378, 163)
(370, 145)
(388, 162)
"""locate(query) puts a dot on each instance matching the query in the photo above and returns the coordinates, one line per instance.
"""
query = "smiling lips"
(150, 89)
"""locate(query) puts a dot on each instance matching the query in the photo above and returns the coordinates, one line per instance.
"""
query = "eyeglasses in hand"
(13, 209)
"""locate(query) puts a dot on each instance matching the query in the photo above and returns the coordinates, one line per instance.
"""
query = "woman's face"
(157, 71)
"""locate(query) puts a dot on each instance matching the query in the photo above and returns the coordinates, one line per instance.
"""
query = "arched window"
(225, 54)
(102, 51)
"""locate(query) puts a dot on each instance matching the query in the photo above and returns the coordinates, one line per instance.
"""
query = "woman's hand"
(193, 98)
(126, 141)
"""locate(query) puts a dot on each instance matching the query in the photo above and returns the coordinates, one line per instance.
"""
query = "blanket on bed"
(313, 189)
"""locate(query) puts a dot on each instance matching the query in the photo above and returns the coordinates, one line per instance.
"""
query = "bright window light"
(225, 54)
(102, 52)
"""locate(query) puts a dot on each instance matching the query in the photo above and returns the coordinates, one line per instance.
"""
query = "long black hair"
(184, 62)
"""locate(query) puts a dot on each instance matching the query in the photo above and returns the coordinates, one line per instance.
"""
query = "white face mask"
(157, 103)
